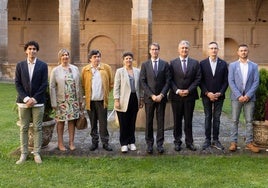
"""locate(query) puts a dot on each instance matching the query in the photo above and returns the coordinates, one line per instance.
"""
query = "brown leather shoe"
(252, 148)
(233, 146)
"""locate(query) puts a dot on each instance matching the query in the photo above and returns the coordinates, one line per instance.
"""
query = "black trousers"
(212, 117)
(127, 121)
(183, 109)
(98, 113)
(150, 109)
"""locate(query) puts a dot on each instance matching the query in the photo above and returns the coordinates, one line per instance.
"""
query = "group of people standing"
(151, 86)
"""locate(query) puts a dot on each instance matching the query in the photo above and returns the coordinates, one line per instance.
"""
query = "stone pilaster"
(3, 34)
(69, 33)
(141, 29)
(213, 24)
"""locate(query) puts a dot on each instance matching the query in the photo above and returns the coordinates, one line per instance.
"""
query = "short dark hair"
(213, 42)
(154, 44)
(127, 54)
(93, 52)
(31, 43)
(242, 45)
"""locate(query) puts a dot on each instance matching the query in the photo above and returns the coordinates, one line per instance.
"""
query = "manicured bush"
(261, 96)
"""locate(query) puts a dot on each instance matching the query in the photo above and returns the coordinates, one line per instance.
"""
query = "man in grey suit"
(243, 81)
(185, 79)
(155, 80)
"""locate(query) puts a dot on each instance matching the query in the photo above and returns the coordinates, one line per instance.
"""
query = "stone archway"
(230, 50)
(107, 48)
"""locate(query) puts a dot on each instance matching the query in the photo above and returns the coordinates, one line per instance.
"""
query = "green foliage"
(261, 96)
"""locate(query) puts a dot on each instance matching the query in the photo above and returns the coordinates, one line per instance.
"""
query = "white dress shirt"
(244, 72)
(97, 91)
(213, 65)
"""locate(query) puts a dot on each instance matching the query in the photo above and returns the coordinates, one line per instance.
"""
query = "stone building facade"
(115, 26)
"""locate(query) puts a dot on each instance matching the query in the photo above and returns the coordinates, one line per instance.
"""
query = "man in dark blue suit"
(185, 79)
(31, 82)
(155, 80)
(213, 85)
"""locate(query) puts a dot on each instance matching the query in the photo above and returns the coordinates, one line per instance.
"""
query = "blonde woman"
(127, 100)
(65, 89)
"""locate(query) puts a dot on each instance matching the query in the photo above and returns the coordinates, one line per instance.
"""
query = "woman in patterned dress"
(65, 95)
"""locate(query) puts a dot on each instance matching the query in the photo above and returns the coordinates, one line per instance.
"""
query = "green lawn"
(245, 170)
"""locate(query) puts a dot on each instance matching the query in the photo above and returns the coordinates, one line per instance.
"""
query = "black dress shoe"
(93, 147)
(191, 147)
(150, 149)
(177, 147)
(160, 149)
(206, 144)
(217, 145)
(107, 147)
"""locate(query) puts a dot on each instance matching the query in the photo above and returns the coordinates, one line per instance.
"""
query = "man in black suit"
(213, 85)
(185, 79)
(31, 82)
(155, 80)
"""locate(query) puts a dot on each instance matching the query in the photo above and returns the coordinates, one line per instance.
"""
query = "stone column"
(141, 37)
(69, 33)
(141, 29)
(213, 24)
(3, 35)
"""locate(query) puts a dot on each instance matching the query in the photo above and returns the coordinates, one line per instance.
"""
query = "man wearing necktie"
(184, 66)
(155, 80)
(155, 68)
(185, 78)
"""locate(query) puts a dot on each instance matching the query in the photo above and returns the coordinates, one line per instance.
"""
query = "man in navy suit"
(243, 80)
(155, 80)
(213, 85)
(185, 79)
(31, 82)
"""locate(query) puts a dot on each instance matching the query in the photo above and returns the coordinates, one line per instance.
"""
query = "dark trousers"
(98, 112)
(127, 121)
(150, 109)
(183, 109)
(212, 117)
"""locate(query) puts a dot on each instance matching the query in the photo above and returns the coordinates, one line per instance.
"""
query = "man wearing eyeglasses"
(213, 85)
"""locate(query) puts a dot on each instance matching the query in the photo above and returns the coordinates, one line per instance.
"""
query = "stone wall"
(108, 26)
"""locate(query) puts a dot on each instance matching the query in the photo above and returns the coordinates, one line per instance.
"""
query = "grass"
(245, 170)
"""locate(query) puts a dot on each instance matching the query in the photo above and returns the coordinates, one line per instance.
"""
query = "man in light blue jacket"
(243, 80)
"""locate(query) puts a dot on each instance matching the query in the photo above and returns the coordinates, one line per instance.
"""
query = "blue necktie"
(184, 68)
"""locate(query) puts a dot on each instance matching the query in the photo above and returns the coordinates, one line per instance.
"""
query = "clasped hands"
(157, 98)
(243, 99)
(31, 102)
(183, 92)
(213, 96)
